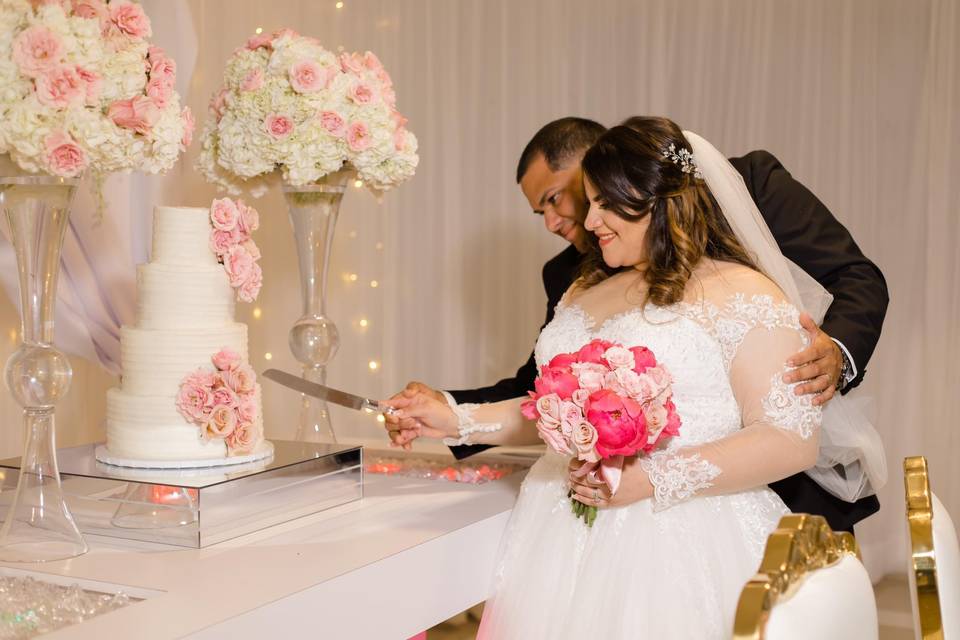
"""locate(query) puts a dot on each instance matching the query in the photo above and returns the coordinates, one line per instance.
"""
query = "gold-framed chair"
(934, 568)
(810, 584)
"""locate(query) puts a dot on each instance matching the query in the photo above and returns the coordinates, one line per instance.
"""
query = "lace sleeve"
(779, 435)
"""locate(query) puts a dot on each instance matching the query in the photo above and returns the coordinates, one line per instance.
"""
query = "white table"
(409, 555)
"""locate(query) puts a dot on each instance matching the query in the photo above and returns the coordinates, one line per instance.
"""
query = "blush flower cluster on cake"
(602, 403)
(82, 88)
(222, 403)
(231, 240)
(290, 105)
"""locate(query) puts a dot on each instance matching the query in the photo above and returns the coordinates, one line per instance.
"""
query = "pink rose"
(589, 375)
(570, 416)
(358, 136)
(593, 351)
(188, 126)
(60, 87)
(221, 423)
(238, 264)
(129, 19)
(361, 93)
(371, 61)
(202, 378)
(252, 249)
(64, 157)
(556, 380)
(260, 40)
(225, 396)
(351, 63)
(89, 9)
(222, 241)
(655, 415)
(585, 440)
(253, 81)
(306, 76)
(247, 409)
(162, 67)
(92, 85)
(241, 379)
(159, 90)
(279, 126)
(250, 288)
(243, 440)
(552, 435)
(37, 50)
(389, 96)
(226, 359)
(218, 103)
(627, 382)
(333, 123)
(548, 407)
(194, 401)
(619, 357)
(138, 113)
(621, 428)
(249, 217)
(643, 359)
(224, 214)
(580, 397)
(659, 380)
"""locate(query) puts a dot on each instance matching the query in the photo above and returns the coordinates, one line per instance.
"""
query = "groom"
(550, 177)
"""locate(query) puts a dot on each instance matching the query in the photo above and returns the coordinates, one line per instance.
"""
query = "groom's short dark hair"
(558, 141)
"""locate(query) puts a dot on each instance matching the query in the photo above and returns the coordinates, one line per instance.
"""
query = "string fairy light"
(374, 365)
(257, 312)
(268, 356)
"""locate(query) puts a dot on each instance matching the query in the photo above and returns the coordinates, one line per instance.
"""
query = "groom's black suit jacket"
(810, 236)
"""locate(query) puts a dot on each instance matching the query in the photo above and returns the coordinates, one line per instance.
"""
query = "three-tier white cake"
(185, 308)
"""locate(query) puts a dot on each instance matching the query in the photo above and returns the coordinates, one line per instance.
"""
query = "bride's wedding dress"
(672, 566)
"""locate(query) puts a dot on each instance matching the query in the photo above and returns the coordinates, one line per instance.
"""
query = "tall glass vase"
(314, 338)
(38, 526)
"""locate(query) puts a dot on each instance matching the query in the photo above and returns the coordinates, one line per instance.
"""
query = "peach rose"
(358, 136)
(549, 408)
(139, 113)
(279, 126)
(221, 423)
(60, 87)
(585, 439)
(64, 157)
(241, 379)
(243, 440)
(37, 50)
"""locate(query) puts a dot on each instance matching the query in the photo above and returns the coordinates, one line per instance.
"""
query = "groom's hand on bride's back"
(818, 366)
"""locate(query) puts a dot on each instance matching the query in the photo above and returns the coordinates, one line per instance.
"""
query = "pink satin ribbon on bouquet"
(610, 471)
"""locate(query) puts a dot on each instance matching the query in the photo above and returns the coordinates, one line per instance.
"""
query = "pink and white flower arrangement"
(600, 404)
(292, 107)
(82, 89)
(223, 403)
(231, 240)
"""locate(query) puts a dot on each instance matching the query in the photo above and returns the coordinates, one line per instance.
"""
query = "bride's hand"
(418, 413)
(634, 486)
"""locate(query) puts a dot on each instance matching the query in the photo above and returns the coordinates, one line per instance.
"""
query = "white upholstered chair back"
(811, 584)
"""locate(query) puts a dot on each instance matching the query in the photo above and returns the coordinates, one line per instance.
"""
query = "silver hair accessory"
(683, 159)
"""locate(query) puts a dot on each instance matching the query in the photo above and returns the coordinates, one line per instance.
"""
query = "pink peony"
(60, 87)
(250, 288)
(253, 81)
(90, 9)
(194, 401)
(306, 76)
(221, 423)
(563, 361)
(226, 359)
(358, 136)
(64, 157)
(279, 126)
(37, 50)
(188, 126)
(222, 241)
(333, 123)
(224, 214)
(621, 428)
(643, 359)
(129, 19)
(258, 41)
(139, 113)
(92, 85)
(159, 90)
(238, 264)
(243, 440)
(556, 380)
(593, 351)
(241, 379)
(361, 93)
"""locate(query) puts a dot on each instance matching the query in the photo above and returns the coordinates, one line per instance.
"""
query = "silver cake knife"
(329, 394)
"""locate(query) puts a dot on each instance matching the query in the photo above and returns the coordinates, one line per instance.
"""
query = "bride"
(669, 269)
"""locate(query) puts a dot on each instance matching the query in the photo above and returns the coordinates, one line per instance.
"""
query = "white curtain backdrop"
(860, 99)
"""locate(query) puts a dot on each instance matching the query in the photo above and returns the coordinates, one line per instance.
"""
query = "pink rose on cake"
(243, 439)
(231, 240)
(225, 359)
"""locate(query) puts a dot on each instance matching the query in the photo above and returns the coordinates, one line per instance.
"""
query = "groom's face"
(558, 196)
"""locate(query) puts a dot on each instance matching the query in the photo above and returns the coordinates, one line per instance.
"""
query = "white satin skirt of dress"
(675, 573)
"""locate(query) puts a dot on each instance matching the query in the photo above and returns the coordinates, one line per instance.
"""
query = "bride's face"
(621, 241)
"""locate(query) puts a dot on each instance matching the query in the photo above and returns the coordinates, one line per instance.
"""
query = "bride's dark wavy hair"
(634, 180)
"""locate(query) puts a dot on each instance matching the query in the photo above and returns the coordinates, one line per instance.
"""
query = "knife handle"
(374, 407)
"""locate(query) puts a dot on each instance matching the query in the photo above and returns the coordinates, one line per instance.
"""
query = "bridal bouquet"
(81, 88)
(289, 105)
(600, 404)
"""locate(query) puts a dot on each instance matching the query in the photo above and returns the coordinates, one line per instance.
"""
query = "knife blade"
(329, 394)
